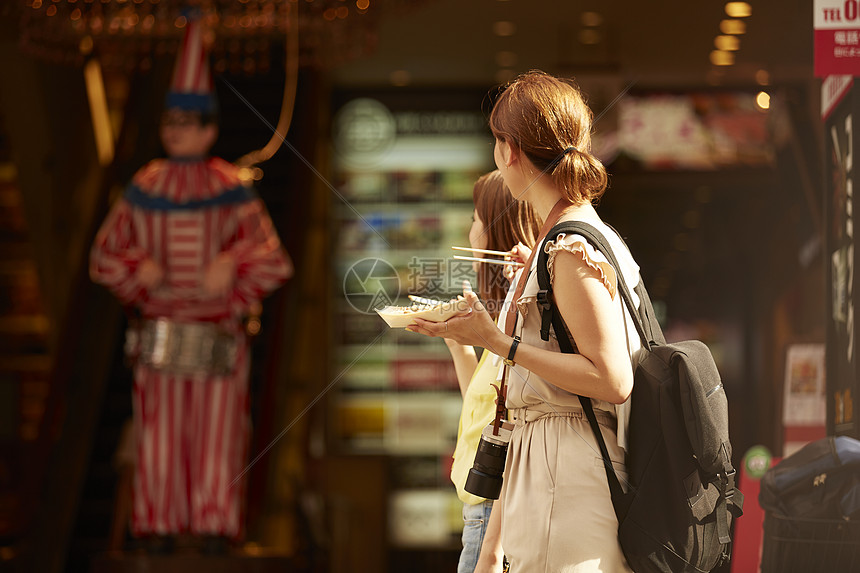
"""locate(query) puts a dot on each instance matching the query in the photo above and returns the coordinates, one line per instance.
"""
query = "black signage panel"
(841, 128)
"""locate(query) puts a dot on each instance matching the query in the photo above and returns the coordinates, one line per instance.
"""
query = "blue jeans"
(475, 519)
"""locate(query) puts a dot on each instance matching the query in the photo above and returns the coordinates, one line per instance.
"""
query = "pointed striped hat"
(191, 88)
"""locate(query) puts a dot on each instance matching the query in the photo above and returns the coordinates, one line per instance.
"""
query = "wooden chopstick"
(485, 251)
(492, 261)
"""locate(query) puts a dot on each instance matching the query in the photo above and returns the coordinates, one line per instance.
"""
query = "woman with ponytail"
(557, 513)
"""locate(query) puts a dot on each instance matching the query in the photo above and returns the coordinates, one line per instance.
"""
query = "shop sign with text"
(837, 37)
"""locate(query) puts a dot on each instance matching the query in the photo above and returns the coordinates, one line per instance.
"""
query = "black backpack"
(677, 513)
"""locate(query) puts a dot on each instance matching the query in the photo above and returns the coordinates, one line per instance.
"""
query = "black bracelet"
(510, 359)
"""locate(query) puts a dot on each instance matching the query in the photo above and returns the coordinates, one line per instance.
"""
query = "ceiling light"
(591, 19)
(504, 75)
(589, 36)
(735, 27)
(738, 9)
(504, 28)
(721, 58)
(691, 219)
(400, 78)
(86, 45)
(727, 43)
(762, 100)
(506, 59)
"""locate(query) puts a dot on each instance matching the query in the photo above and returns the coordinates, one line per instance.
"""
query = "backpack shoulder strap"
(551, 316)
(644, 317)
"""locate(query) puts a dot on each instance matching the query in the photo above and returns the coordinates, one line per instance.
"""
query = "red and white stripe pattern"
(184, 242)
(192, 437)
(191, 430)
(191, 74)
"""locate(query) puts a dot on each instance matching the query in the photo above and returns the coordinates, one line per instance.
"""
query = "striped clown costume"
(190, 242)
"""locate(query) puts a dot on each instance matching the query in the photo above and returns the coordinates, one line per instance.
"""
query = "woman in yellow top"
(499, 223)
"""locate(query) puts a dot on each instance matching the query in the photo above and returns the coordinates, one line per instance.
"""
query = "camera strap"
(512, 314)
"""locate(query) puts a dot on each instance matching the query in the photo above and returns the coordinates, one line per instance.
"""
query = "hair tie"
(560, 156)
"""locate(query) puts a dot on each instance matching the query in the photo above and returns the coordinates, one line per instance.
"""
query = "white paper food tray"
(401, 317)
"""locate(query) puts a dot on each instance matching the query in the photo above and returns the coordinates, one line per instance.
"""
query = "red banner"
(837, 52)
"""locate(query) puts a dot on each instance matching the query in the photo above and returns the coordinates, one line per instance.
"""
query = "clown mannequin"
(191, 248)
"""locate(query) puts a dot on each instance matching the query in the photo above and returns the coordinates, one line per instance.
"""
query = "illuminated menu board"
(404, 173)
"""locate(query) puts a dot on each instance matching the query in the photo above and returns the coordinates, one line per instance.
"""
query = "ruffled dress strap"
(580, 247)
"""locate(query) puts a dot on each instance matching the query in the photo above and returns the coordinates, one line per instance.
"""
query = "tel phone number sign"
(837, 37)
